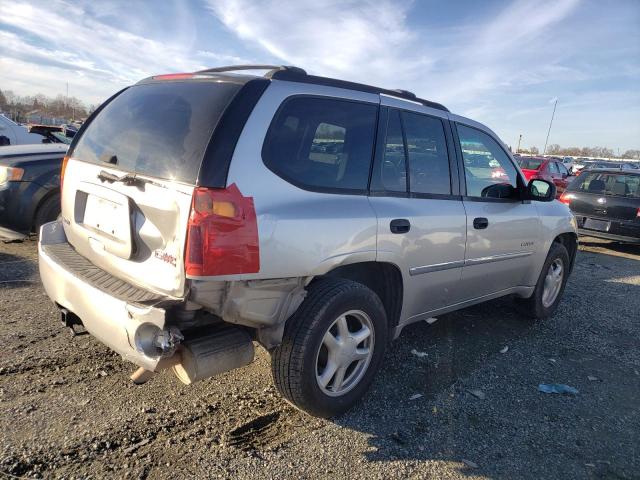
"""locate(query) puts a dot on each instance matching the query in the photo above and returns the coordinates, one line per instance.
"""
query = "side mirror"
(499, 190)
(541, 190)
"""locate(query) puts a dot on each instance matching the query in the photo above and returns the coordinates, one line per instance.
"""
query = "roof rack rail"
(272, 69)
(405, 93)
(297, 74)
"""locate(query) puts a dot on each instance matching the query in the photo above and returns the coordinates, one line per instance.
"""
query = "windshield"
(530, 163)
(157, 129)
(609, 184)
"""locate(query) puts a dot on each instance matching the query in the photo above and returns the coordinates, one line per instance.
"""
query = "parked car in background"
(579, 164)
(319, 218)
(12, 133)
(29, 187)
(612, 165)
(52, 133)
(606, 204)
(547, 169)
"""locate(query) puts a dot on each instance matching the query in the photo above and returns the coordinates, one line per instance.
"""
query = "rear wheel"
(550, 287)
(331, 349)
(47, 211)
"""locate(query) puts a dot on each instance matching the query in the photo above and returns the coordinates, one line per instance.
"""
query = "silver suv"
(203, 212)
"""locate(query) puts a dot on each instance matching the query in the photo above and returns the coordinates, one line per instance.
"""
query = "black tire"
(294, 362)
(533, 307)
(48, 211)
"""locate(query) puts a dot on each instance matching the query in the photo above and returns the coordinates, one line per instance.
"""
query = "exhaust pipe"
(217, 352)
(69, 319)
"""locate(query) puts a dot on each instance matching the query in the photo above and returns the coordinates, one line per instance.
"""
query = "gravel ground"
(68, 409)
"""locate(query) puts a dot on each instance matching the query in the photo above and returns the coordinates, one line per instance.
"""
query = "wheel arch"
(39, 204)
(383, 278)
(568, 240)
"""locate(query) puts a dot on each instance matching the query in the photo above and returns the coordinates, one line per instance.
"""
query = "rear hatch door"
(128, 184)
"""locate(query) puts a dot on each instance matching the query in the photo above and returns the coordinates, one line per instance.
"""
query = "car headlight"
(10, 174)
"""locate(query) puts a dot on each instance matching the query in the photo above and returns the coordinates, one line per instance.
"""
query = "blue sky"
(500, 62)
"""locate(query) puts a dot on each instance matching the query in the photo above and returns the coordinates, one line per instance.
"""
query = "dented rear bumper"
(131, 328)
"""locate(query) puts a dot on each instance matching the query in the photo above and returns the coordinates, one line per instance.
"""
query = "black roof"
(297, 74)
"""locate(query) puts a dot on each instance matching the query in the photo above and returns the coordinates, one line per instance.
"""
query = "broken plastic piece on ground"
(431, 320)
(478, 393)
(505, 349)
(557, 388)
(415, 396)
(469, 463)
(591, 378)
(418, 353)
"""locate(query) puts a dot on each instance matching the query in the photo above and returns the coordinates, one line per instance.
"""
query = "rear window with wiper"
(530, 163)
(157, 129)
(608, 184)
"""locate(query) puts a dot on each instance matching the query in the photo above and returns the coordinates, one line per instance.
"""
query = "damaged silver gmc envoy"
(208, 211)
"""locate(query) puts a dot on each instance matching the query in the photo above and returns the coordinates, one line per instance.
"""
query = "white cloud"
(358, 40)
(371, 41)
(63, 43)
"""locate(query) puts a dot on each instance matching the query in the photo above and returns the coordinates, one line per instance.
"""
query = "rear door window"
(563, 170)
(393, 171)
(157, 129)
(428, 158)
(319, 143)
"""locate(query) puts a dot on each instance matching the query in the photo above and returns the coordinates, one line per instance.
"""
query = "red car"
(546, 169)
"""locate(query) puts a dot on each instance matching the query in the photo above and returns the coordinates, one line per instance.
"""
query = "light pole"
(519, 140)
(550, 123)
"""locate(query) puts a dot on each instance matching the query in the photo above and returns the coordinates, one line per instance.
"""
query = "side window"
(322, 143)
(428, 159)
(563, 170)
(553, 167)
(485, 162)
(393, 170)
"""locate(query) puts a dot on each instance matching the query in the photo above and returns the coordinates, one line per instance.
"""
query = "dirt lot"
(68, 409)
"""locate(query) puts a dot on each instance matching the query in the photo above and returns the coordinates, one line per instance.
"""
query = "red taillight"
(173, 76)
(222, 235)
(566, 197)
(62, 170)
(638, 213)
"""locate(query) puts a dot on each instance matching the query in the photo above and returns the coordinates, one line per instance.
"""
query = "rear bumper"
(608, 236)
(127, 327)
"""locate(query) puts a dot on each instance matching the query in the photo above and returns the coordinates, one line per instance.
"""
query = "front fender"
(555, 219)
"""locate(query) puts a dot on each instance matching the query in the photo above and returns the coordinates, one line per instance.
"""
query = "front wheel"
(550, 287)
(332, 347)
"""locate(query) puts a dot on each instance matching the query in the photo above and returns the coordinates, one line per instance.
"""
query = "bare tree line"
(60, 106)
(596, 152)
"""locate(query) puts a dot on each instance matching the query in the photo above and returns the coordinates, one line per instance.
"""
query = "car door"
(421, 219)
(502, 233)
(563, 178)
